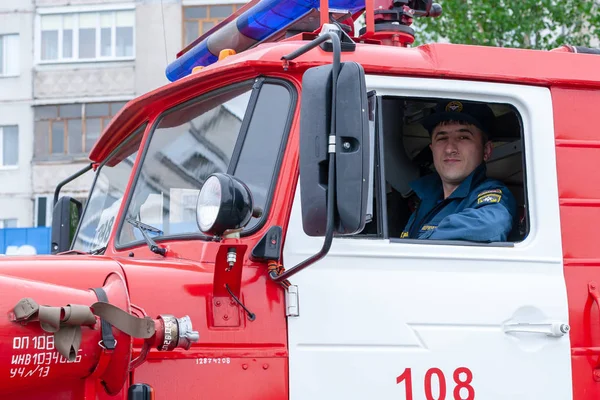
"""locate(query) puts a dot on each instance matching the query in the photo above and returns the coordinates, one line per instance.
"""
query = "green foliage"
(539, 24)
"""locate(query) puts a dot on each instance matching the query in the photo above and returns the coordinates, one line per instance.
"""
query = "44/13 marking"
(463, 377)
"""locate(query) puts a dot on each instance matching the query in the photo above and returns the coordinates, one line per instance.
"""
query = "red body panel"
(42, 372)
(576, 122)
(61, 270)
(239, 352)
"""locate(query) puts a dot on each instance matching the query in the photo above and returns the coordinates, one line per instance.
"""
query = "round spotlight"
(224, 203)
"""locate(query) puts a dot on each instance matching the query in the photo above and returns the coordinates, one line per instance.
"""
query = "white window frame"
(6, 56)
(76, 11)
(2, 166)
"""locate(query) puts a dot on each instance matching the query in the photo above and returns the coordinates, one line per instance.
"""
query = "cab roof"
(448, 61)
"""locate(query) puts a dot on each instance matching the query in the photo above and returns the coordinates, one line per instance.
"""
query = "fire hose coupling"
(177, 332)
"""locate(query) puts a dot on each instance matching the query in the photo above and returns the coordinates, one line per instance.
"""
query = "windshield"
(204, 136)
(106, 196)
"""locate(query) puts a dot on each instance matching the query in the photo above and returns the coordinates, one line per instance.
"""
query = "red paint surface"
(186, 288)
(58, 281)
(576, 121)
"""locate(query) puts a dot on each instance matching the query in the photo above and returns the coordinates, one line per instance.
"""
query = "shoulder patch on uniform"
(489, 198)
(403, 235)
(428, 227)
(499, 191)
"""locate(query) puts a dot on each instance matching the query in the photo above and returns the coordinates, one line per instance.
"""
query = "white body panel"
(372, 308)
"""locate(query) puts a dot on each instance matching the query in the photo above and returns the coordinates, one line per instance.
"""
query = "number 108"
(462, 380)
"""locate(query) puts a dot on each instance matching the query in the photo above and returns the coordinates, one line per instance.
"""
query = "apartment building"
(16, 114)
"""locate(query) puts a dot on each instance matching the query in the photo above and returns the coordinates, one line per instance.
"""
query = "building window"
(9, 146)
(71, 129)
(197, 20)
(9, 55)
(87, 36)
(43, 211)
(8, 223)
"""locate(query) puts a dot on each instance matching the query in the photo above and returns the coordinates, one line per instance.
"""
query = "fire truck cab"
(263, 195)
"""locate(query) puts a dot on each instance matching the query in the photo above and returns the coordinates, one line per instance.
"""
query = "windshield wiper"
(97, 251)
(147, 228)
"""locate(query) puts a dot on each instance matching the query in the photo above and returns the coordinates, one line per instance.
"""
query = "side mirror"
(65, 219)
(352, 148)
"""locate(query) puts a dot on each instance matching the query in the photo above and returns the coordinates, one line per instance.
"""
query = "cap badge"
(455, 106)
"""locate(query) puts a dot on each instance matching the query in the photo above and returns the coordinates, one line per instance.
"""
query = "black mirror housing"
(352, 148)
(65, 219)
(315, 114)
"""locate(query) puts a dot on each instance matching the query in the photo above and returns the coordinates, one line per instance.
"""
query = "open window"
(403, 155)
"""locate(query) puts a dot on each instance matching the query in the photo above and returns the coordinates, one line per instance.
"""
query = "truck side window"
(261, 148)
(408, 158)
(223, 131)
(489, 198)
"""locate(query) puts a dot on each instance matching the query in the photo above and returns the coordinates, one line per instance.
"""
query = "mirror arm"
(330, 35)
(69, 179)
(331, 150)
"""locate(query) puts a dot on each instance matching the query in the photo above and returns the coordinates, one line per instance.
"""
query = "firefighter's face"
(457, 150)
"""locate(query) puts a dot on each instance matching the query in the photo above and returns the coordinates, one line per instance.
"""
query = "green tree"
(539, 24)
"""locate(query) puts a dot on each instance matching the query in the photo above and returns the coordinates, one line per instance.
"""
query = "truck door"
(388, 318)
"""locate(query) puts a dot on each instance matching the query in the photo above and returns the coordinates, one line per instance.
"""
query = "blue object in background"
(270, 16)
(39, 238)
(254, 25)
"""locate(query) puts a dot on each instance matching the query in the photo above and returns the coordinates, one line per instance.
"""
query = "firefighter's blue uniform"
(480, 209)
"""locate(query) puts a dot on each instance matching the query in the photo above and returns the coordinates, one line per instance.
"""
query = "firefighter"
(459, 202)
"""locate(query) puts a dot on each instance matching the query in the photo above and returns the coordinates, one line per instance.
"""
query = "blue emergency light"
(256, 24)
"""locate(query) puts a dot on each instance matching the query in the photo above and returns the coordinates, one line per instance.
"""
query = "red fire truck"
(242, 237)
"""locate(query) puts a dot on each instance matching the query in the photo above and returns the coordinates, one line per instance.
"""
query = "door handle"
(553, 329)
